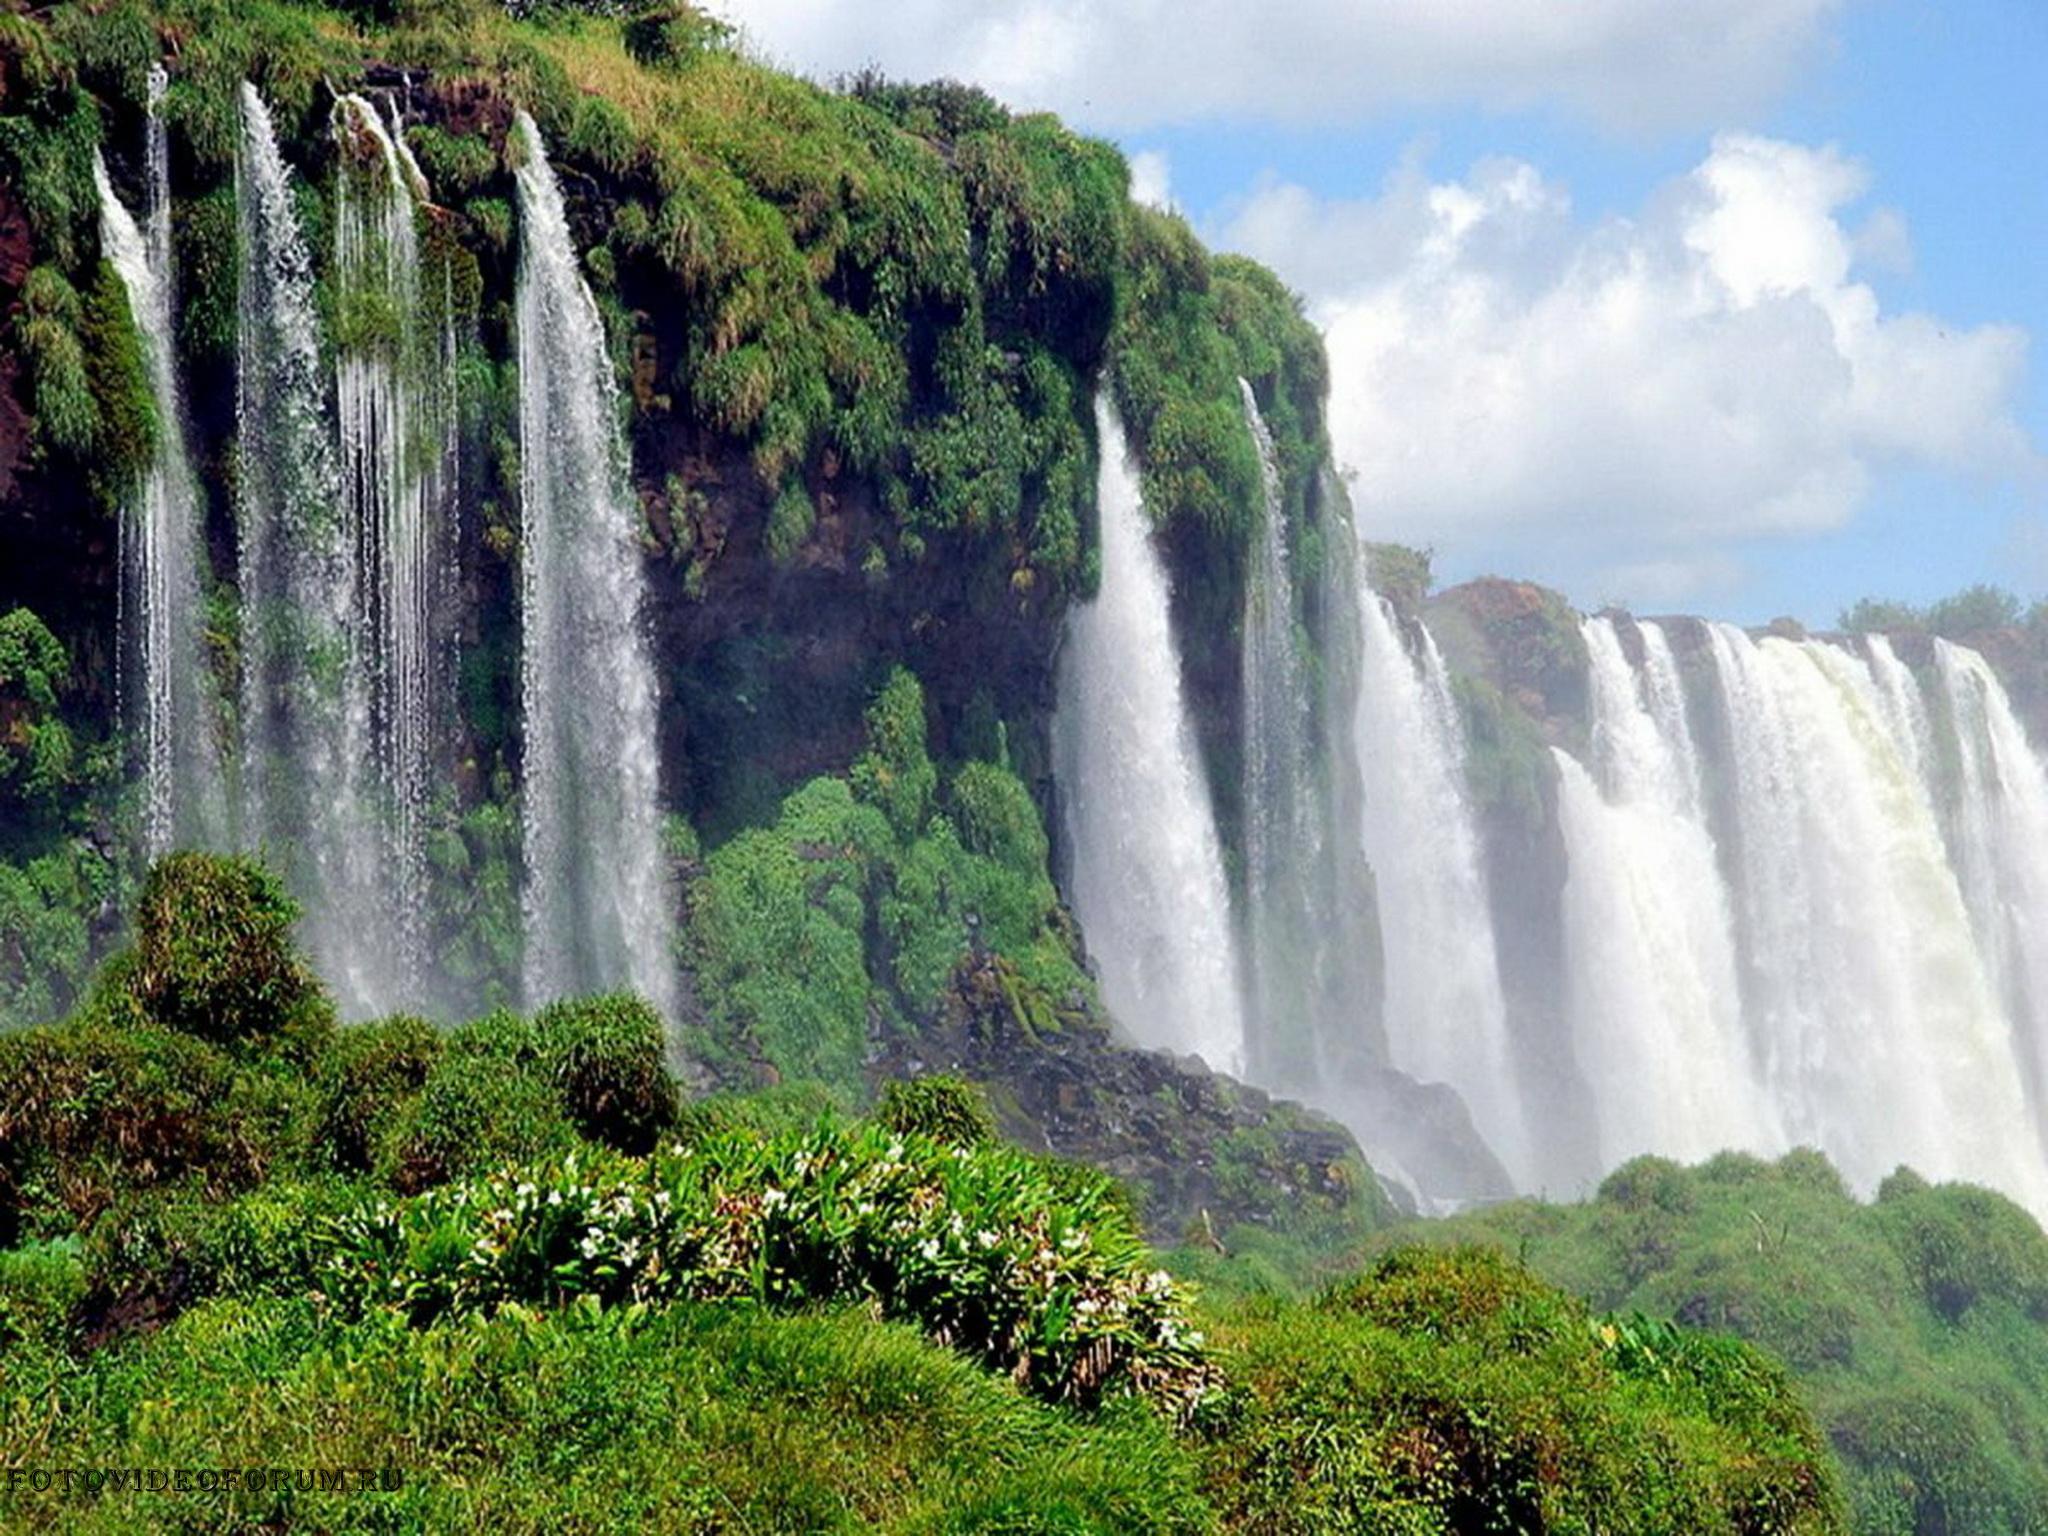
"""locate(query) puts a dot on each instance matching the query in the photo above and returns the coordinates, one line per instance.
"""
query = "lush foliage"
(504, 1261)
(213, 950)
(1044, 1282)
(1451, 1390)
(853, 910)
(1916, 1325)
(55, 884)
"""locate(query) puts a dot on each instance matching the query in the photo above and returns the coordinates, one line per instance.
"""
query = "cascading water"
(1283, 843)
(599, 910)
(1146, 866)
(394, 412)
(1649, 934)
(171, 702)
(1446, 1020)
(2001, 839)
(307, 798)
(1877, 1022)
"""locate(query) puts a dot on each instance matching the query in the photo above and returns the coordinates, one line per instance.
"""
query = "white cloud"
(1130, 64)
(1152, 179)
(1626, 401)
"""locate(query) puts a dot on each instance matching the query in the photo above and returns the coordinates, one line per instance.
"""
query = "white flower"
(929, 1248)
(554, 1197)
(773, 1198)
(986, 1238)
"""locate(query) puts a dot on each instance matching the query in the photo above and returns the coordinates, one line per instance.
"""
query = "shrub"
(214, 955)
(895, 773)
(669, 35)
(364, 1085)
(490, 1099)
(607, 1058)
(970, 1243)
(1452, 1390)
(948, 1110)
(89, 1110)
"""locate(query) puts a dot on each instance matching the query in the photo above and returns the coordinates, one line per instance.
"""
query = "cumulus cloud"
(1511, 382)
(1152, 180)
(1123, 65)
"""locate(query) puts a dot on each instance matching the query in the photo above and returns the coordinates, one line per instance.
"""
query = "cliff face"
(859, 332)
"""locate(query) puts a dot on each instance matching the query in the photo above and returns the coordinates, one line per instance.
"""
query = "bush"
(365, 1083)
(948, 1110)
(970, 1243)
(213, 953)
(1913, 1325)
(1452, 1390)
(607, 1058)
(489, 1100)
(89, 1111)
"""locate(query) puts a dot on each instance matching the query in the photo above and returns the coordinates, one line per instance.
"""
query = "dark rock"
(1205, 1152)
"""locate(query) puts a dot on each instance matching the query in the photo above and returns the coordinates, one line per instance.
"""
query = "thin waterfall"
(2001, 838)
(1905, 709)
(307, 795)
(1146, 864)
(1878, 1023)
(169, 699)
(1446, 1019)
(393, 413)
(599, 908)
(1652, 978)
(1283, 842)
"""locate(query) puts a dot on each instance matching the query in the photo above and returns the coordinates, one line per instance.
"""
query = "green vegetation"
(854, 909)
(1972, 611)
(236, 1237)
(1452, 1390)
(1400, 574)
(55, 880)
(1917, 1326)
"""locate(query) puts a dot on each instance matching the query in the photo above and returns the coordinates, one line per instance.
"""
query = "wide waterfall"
(1799, 965)
(1446, 1018)
(1146, 865)
(171, 702)
(599, 908)
(394, 406)
(1649, 930)
(307, 786)
(1283, 843)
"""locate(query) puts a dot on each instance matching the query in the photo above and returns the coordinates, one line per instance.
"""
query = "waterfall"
(599, 910)
(1878, 1024)
(308, 791)
(1446, 1020)
(1146, 865)
(169, 699)
(2001, 839)
(1282, 833)
(1649, 931)
(393, 407)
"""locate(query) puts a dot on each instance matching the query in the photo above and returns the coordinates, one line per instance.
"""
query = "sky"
(1719, 306)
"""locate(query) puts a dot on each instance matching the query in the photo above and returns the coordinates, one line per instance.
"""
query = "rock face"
(1206, 1154)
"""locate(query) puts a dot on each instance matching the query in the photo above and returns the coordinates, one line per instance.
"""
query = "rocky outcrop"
(1205, 1153)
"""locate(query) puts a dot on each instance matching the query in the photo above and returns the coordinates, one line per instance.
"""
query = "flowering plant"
(978, 1245)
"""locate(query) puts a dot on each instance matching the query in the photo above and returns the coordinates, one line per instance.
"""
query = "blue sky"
(1621, 309)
